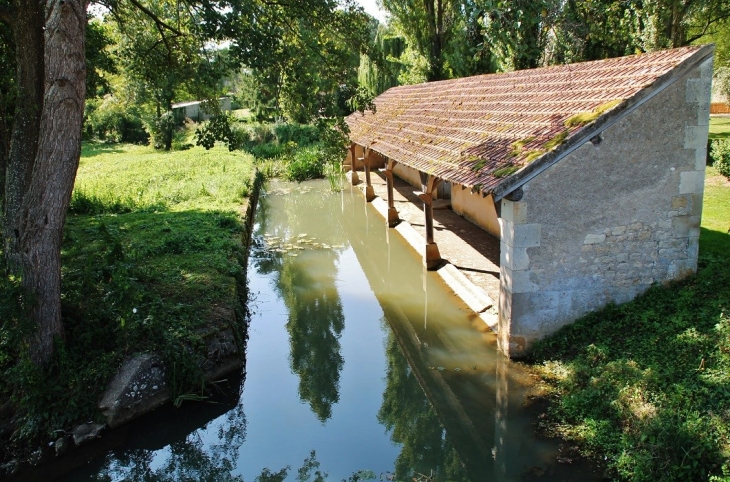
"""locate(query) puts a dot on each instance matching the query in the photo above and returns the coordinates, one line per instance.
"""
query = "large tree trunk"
(27, 23)
(47, 195)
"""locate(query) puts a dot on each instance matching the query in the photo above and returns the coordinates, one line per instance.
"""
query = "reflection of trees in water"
(287, 215)
(187, 456)
(310, 472)
(407, 413)
(308, 290)
(315, 323)
(188, 460)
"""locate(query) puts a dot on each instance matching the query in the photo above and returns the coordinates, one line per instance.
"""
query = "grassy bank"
(644, 387)
(151, 261)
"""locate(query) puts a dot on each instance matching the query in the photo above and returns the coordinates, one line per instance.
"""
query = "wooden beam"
(369, 191)
(393, 218)
(432, 257)
(352, 175)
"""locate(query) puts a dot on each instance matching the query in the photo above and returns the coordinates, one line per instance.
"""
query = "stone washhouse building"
(591, 175)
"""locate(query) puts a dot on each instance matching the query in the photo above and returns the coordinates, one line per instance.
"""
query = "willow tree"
(427, 24)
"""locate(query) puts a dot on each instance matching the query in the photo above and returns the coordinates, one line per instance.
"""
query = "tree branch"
(155, 18)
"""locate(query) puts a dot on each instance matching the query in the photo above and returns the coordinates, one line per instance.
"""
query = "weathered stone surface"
(520, 235)
(137, 388)
(85, 432)
(594, 239)
(62, 445)
(692, 182)
(699, 90)
(222, 355)
(614, 217)
(477, 300)
(695, 137)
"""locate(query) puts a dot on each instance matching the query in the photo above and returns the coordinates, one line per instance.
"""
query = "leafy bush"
(218, 128)
(111, 121)
(720, 154)
(266, 151)
(301, 134)
(261, 133)
(305, 164)
(163, 130)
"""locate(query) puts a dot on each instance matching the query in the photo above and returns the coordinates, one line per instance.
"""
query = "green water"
(360, 366)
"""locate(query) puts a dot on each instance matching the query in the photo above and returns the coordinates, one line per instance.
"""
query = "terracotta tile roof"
(477, 131)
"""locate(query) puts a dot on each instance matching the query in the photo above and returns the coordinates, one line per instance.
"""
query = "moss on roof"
(584, 118)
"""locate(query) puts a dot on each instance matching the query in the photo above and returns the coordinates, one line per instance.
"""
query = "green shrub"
(111, 121)
(163, 130)
(720, 154)
(261, 133)
(306, 163)
(266, 151)
(218, 128)
(301, 134)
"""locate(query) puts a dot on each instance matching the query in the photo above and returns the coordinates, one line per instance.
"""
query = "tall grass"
(144, 180)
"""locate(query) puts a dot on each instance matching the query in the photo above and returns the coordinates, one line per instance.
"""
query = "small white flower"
(134, 310)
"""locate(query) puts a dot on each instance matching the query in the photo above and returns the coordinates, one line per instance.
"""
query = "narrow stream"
(360, 365)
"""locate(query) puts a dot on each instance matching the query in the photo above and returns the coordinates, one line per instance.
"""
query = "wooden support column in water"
(369, 191)
(432, 257)
(393, 218)
(353, 177)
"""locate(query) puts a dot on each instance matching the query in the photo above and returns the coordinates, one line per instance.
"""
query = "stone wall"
(609, 220)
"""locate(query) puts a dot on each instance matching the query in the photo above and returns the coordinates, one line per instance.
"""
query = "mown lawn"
(719, 127)
(151, 259)
(644, 387)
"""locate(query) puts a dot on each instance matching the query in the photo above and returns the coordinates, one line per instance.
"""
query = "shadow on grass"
(91, 149)
(646, 383)
(131, 283)
(714, 243)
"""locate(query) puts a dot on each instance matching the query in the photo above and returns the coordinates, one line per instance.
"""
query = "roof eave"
(605, 121)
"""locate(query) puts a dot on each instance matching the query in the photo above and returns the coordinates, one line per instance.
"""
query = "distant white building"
(194, 109)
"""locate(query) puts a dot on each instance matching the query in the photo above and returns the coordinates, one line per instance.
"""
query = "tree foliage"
(516, 31)
(428, 25)
(380, 67)
(310, 67)
(162, 50)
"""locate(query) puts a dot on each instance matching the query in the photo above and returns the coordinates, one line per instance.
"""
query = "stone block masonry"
(610, 219)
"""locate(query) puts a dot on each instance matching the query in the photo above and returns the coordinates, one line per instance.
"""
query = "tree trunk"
(45, 201)
(28, 21)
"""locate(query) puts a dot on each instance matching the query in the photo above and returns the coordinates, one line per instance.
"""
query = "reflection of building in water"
(449, 391)
(500, 420)
(419, 406)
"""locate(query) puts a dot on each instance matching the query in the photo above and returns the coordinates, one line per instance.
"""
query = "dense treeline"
(439, 39)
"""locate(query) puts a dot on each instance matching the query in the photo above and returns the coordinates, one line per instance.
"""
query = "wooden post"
(393, 218)
(369, 191)
(432, 257)
(352, 175)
